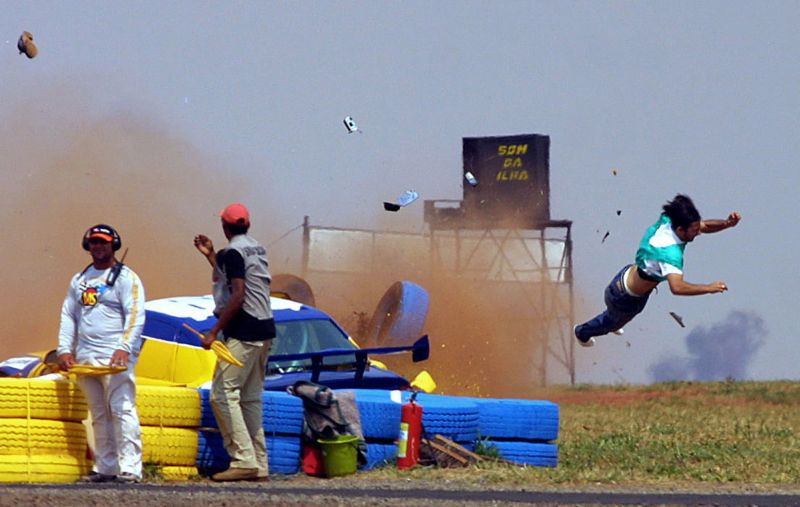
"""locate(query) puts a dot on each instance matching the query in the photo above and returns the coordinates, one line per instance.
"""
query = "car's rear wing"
(420, 351)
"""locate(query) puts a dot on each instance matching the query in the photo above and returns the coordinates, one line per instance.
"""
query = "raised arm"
(718, 224)
(205, 247)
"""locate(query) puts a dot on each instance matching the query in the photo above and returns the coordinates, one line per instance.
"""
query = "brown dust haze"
(64, 170)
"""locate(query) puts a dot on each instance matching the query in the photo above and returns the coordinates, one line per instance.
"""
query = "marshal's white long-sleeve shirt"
(97, 319)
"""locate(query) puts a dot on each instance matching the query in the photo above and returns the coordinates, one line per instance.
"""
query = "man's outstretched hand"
(733, 219)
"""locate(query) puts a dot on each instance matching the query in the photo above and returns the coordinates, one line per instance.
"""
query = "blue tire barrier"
(517, 419)
(283, 413)
(380, 416)
(399, 317)
(380, 454)
(527, 453)
(450, 416)
(283, 454)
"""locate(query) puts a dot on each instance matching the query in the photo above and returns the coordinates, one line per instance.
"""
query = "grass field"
(682, 433)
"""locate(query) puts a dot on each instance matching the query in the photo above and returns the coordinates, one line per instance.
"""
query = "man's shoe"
(97, 478)
(127, 478)
(262, 478)
(584, 343)
(236, 474)
(619, 332)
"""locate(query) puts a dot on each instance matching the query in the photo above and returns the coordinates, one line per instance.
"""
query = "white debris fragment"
(470, 178)
(350, 124)
(407, 198)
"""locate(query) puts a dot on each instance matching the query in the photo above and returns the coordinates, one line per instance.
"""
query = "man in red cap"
(241, 287)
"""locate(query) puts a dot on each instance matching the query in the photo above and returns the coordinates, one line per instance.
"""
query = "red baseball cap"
(101, 231)
(235, 214)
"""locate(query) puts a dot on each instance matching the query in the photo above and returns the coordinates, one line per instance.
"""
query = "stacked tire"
(380, 425)
(43, 439)
(522, 431)
(170, 421)
(282, 418)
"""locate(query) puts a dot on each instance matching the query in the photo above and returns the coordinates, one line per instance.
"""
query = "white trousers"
(115, 422)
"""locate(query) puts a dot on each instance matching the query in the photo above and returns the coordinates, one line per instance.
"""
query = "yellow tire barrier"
(45, 468)
(42, 437)
(41, 399)
(169, 446)
(171, 473)
(168, 406)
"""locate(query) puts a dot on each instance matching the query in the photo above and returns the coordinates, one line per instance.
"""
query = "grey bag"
(329, 414)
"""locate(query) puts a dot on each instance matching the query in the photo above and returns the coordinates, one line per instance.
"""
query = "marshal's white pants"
(117, 435)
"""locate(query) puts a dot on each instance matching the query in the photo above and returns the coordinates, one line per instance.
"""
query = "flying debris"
(350, 125)
(405, 199)
(677, 318)
(470, 178)
(25, 45)
(619, 212)
(614, 172)
(607, 234)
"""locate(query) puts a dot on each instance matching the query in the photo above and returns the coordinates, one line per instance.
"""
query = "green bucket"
(340, 455)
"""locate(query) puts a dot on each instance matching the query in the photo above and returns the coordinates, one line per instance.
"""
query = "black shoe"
(589, 342)
(97, 478)
(127, 478)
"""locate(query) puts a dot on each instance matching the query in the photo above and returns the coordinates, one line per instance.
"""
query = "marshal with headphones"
(105, 231)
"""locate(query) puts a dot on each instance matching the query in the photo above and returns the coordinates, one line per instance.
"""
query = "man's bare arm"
(681, 287)
(231, 308)
(717, 224)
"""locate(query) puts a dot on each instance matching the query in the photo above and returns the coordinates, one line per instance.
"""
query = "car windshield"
(299, 336)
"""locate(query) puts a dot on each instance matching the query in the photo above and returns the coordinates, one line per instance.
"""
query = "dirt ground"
(360, 490)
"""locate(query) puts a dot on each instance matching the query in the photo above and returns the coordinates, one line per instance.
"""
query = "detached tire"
(294, 287)
(400, 316)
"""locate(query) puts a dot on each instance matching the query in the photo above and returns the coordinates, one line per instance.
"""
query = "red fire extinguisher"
(410, 432)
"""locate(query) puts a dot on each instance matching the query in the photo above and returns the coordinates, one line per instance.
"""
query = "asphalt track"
(284, 494)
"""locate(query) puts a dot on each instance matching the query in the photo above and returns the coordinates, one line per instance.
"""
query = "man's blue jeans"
(621, 307)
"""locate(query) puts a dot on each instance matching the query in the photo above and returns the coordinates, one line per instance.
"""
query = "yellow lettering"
(507, 150)
(512, 162)
(506, 175)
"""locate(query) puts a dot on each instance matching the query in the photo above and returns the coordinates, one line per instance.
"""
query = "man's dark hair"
(236, 229)
(681, 211)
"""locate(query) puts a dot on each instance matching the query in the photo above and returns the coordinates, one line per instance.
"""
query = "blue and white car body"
(309, 345)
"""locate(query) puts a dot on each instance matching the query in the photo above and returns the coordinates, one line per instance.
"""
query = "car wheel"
(399, 317)
(292, 287)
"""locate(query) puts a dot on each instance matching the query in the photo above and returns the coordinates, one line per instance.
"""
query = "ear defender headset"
(116, 242)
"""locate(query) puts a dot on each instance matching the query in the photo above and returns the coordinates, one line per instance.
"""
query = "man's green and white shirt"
(661, 250)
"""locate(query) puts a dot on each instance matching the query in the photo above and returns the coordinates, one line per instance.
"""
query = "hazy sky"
(686, 96)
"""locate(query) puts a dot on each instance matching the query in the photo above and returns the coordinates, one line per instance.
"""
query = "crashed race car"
(310, 345)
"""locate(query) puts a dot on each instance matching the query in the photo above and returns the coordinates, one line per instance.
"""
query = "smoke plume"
(721, 351)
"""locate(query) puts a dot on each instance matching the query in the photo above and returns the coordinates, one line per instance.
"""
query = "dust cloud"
(65, 170)
(487, 338)
(718, 352)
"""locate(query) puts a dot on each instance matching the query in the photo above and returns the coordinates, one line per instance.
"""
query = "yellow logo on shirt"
(89, 297)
